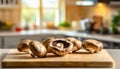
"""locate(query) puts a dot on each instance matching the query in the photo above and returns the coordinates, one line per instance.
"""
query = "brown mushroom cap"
(92, 45)
(23, 46)
(46, 43)
(77, 44)
(60, 46)
(38, 49)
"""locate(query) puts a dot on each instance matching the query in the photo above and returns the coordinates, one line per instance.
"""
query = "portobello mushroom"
(23, 46)
(60, 46)
(38, 49)
(93, 46)
(46, 43)
(77, 44)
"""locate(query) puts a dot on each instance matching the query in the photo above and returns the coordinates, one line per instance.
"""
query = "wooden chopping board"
(79, 59)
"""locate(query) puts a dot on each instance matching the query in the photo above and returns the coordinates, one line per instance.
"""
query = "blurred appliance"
(110, 2)
(114, 2)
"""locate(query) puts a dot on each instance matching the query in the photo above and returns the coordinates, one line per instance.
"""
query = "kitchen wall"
(10, 13)
(73, 12)
(76, 13)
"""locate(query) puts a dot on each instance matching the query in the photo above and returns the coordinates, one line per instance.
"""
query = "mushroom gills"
(60, 44)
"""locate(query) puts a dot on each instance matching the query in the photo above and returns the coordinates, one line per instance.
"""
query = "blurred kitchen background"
(39, 19)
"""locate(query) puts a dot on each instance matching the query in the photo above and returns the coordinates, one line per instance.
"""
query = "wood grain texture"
(79, 59)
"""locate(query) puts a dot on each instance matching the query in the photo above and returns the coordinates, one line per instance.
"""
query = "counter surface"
(113, 52)
(110, 38)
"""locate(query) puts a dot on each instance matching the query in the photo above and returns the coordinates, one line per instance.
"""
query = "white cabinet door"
(0, 42)
(12, 41)
(44, 36)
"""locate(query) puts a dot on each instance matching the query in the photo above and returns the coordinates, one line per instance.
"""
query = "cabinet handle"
(24, 39)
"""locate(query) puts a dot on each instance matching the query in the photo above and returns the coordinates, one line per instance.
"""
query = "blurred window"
(30, 12)
(39, 11)
(50, 11)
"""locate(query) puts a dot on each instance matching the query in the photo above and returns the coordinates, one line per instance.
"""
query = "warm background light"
(100, 4)
(100, 9)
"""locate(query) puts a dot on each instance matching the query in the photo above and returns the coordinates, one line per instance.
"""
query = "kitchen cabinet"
(12, 41)
(0, 42)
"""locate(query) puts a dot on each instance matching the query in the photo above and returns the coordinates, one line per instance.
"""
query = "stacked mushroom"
(93, 46)
(58, 46)
(32, 47)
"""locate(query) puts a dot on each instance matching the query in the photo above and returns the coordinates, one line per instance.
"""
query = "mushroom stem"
(91, 50)
(31, 53)
(60, 45)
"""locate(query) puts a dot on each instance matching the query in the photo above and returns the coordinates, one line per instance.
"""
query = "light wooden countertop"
(113, 52)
